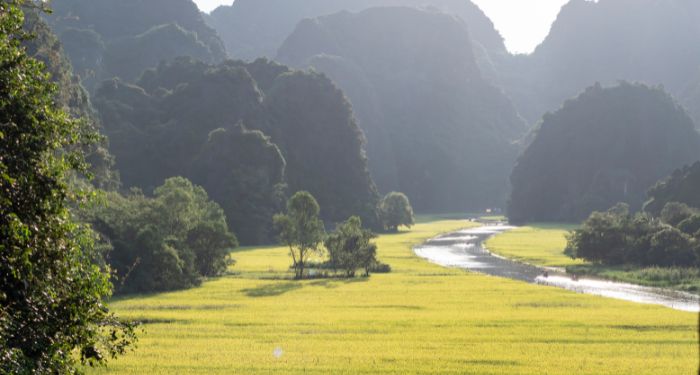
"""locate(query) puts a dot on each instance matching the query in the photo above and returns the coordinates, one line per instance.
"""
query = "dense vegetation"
(682, 186)
(167, 242)
(436, 129)
(70, 96)
(301, 230)
(395, 211)
(52, 316)
(608, 145)
(187, 118)
(107, 38)
(617, 237)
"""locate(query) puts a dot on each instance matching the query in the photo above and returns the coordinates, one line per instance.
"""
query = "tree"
(52, 315)
(349, 247)
(395, 210)
(301, 229)
(166, 242)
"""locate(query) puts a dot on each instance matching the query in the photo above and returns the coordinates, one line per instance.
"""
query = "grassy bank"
(543, 244)
(540, 244)
(685, 279)
(419, 319)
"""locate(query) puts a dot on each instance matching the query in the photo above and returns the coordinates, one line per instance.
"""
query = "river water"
(465, 249)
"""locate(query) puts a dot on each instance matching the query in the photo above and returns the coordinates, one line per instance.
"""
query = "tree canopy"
(52, 314)
(301, 229)
(395, 211)
(162, 243)
(682, 186)
(608, 145)
(188, 118)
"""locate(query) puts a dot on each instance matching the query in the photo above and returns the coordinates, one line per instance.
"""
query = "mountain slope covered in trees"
(649, 41)
(107, 38)
(608, 145)
(257, 28)
(436, 129)
(192, 119)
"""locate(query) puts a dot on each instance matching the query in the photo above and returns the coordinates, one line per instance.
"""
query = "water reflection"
(464, 249)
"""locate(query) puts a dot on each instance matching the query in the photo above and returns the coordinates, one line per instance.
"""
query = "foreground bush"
(52, 315)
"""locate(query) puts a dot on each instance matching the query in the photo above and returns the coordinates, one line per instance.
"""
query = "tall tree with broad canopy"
(301, 229)
(52, 315)
(350, 247)
(395, 210)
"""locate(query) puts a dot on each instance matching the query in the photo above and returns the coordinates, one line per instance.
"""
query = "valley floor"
(419, 319)
(544, 244)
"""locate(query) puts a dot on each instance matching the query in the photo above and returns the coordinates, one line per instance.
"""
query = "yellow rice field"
(419, 319)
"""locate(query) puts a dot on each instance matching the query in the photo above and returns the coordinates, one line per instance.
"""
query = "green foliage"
(52, 315)
(184, 119)
(244, 172)
(682, 186)
(163, 243)
(617, 237)
(71, 97)
(395, 210)
(674, 213)
(301, 229)
(606, 146)
(349, 248)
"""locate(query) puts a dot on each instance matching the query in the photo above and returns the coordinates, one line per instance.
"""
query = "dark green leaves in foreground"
(51, 312)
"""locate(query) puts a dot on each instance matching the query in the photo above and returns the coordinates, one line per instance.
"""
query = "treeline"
(666, 237)
(618, 237)
(166, 242)
(246, 132)
(348, 247)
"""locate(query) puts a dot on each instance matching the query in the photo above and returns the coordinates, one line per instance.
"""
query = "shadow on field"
(271, 290)
(336, 282)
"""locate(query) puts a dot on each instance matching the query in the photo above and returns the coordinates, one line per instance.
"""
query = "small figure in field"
(545, 274)
(574, 277)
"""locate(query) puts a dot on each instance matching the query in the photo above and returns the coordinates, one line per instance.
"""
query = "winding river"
(465, 249)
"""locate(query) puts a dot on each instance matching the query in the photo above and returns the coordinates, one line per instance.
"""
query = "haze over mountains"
(435, 128)
(444, 110)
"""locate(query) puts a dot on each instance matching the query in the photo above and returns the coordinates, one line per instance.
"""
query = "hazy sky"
(523, 23)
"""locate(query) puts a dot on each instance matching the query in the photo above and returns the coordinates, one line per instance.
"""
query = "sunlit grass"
(540, 244)
(421, 318)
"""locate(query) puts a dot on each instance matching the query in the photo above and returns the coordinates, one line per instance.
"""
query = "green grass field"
(543, 244)
(420, 319)
(540, 244)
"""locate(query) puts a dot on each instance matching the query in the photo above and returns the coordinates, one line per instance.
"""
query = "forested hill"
(649, 41)
(70, 96)
(608, 145)
(435, 128)
(108, 38)
(691, 98)
(192, 119)
(254, 28)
